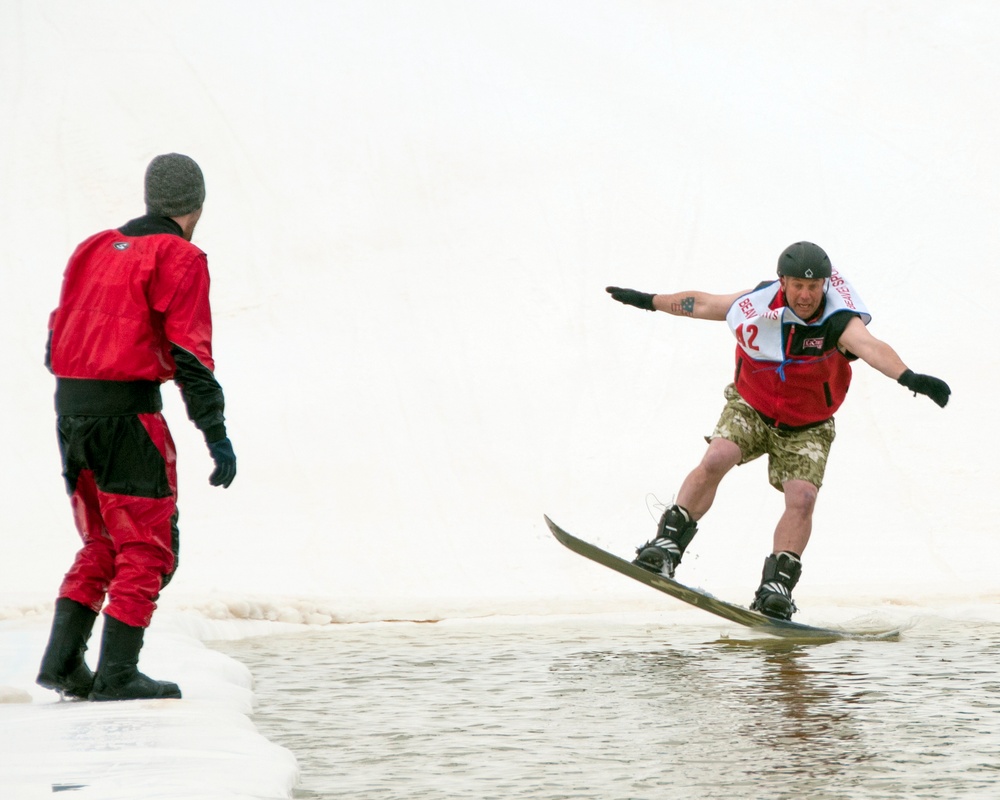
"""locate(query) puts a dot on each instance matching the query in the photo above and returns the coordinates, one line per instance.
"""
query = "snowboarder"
(796, 338)
(133, 313)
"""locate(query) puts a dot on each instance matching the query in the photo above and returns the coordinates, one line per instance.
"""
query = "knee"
(721, 456)
(800, 497)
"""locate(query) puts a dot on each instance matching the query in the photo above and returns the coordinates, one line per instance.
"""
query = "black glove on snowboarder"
(935, 388)
(631, 297)
(225, 463)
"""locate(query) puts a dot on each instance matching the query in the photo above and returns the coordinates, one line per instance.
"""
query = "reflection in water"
(747, 713)
(803, 713)
(592, 708)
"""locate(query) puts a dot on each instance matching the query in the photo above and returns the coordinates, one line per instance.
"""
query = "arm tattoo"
(685, 307)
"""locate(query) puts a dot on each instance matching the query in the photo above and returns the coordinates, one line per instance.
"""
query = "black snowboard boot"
(118, 677)
(774, 597)
(673, 535)
(63, 666)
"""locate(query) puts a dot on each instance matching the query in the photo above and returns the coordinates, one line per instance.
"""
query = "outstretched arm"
(699, 305)
(882, 357)
(872, 351)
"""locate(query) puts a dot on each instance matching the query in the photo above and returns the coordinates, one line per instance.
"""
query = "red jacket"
(134, 307)
(125, 300)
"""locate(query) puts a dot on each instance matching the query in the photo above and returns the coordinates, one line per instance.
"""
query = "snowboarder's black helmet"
(804, 260)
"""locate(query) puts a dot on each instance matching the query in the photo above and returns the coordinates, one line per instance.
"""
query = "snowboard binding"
(774, 596)
(673, 534)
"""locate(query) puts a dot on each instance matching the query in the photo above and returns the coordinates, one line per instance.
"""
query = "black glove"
(225, 463)
(935, 388)
(631, 297)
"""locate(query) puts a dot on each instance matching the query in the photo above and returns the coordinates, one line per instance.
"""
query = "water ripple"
(612, 708)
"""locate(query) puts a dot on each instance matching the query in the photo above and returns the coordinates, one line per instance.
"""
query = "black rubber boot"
(774, 596)
(673, 535)
(118, 676)
(63, 666)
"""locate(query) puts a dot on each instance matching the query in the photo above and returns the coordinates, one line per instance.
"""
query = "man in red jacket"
(133, 313)
(796, 338)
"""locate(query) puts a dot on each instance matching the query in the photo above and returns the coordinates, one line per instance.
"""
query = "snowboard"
(734, 613)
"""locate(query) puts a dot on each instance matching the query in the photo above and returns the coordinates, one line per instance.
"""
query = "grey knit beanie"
(174, 186)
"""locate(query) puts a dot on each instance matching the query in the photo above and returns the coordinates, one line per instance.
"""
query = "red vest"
(810, 382)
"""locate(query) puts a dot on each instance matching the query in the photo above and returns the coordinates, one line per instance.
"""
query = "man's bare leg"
(697, 493)
(678, 524)
(795, 526)
(783, 567)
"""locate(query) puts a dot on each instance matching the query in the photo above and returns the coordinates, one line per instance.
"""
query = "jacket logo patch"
(813, 343)
(120, 245)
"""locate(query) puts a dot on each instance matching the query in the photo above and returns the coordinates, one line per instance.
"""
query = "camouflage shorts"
(792, 455)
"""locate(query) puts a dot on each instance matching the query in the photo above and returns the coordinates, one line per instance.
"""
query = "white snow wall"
(413, 210)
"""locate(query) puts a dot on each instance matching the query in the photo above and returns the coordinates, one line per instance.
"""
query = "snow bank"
(203, 746)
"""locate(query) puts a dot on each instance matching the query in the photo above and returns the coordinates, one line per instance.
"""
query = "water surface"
(625, 707)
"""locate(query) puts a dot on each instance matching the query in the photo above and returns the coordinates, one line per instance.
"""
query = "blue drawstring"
(780, 368)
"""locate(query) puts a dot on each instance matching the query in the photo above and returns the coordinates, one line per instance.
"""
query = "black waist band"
(781, 426)
(79, 397)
